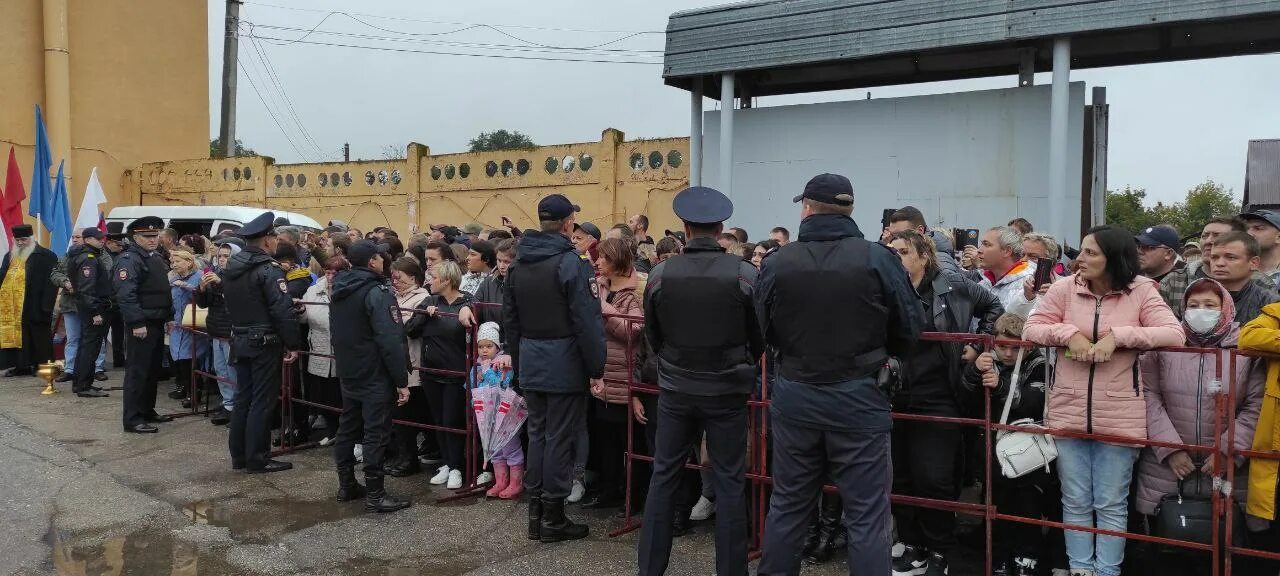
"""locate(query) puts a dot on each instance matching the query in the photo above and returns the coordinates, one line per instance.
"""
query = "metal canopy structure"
(772, 47)
(792, 46)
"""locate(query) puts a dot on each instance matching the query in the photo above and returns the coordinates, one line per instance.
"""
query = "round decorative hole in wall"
(435, 172)
(279, 181)
(346, 178)
(368, 177)
(585, 161)
(302, 180)
(655, 159)
(506, 167)
(675, 159)
(551, 165)
(248, 173)
(490, 168)
(395, 177)
(567, 163)
(464, 170)
(288, 180)
(522, 166)
(324, 179)
(235, 173)
(382, 177)
(333, 179)
(449, 171)
(636, 161)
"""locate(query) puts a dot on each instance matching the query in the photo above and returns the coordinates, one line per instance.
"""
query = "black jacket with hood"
(258, 302)
(369, 345)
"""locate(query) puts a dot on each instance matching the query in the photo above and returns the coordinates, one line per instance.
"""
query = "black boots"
(555, 527)
(348, 488)
(680, 523)
(535, 518)
(830, 534)
(377, 500)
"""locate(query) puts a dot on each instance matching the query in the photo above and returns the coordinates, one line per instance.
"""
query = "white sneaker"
(898, 548)
(703, 509)
(576, 493)
(359, 452)
(442, 476)
(326, 441)
(455, 480)
(484, 478)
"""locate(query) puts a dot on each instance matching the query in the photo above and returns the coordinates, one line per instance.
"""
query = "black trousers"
(91, 337)
(118, 337)
(554, 421)
(366, 408)
(141, 373)
(258, 378)
(447, 400)
(325, 391)
(607, 428)
(681, 420)
(1036, 495)
(415, 410)
(858, 462)
(926, 464)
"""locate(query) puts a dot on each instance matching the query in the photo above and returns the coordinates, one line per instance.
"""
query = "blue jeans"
(222, 367)
(1095, 492)
(71, 323)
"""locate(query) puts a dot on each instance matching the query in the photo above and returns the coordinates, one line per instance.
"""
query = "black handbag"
(1188, 513)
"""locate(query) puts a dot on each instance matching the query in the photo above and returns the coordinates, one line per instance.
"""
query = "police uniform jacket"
(553, 321)
(259, 303)
(91, 280)
(701, 323)
(366, 332)
(142, 287)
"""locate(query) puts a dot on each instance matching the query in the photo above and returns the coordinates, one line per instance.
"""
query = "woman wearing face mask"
(406, 279)
(1180, 408)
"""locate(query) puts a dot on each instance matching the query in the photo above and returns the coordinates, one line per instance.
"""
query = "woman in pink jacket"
(1103, 315)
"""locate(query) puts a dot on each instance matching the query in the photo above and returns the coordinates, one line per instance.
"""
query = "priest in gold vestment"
(26, 304)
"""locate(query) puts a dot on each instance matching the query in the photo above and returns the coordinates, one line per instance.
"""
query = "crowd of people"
(553, 313)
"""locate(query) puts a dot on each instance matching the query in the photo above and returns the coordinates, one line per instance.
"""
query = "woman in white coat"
(322, 375)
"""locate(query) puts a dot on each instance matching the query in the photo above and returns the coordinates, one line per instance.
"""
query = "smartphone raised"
(966, 237)
(1044, 272)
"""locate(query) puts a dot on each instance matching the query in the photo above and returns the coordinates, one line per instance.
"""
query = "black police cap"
(146, 225)
(702, 205)
(258, 227)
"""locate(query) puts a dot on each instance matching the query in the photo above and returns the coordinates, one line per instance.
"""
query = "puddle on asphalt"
(262, 521)
(144, 552)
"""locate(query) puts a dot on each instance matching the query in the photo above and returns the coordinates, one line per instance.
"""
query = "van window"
(185, 227)
(227, 226)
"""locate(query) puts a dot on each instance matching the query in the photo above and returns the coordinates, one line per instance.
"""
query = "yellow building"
(121, 82)
(610, 179)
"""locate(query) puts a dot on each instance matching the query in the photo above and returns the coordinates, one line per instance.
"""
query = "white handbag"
(1021, 453)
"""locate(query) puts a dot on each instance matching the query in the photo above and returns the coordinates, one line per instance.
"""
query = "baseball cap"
(362, 251)
(556, 207)
(473, 228)
(1267, 216)
(591, 229)
(828, 189)
(91, 233)
(1162, 235)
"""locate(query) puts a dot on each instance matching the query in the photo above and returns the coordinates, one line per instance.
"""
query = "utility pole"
(230, 51)
(346, 152)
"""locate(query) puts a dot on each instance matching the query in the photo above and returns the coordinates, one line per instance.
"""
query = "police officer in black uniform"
(701, 323)
(264, 328)
(371, 353)
(142, 292)
(835, 307)
(556, 332)
(94, 302)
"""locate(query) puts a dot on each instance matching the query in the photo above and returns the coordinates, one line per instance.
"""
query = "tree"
(1205, 201)
(500, 140)
(392, 152)
(1125, 209)
(215, 149)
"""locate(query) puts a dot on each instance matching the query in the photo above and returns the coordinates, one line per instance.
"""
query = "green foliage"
(215, 149)
(1207, 200)
(500, 140)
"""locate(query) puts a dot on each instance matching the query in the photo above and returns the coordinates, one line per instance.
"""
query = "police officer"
(835, 306)
(701, 324)
(557, 334)
(371, 352)
(142, 292)
(263, 327)
(91, 277)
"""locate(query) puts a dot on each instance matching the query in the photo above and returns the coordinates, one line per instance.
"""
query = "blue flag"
(40, 200)
(58, 218)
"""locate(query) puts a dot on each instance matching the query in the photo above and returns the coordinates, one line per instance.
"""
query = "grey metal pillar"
(695, 133)
(1059, 111)
(726, 134)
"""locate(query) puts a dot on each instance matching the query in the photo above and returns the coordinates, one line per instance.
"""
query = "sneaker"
(65, 377)
(100, 376)
(1059, 572)
(1000, 568)
(326, 441)
(358, 451)
(442, 476)
(897, 549)
(576, 493)
(937, 565)
(1080, 572)
(703, 509)
(428, 459)
(455, 480)
(1023, 566)
(913, 562)
(484, 477)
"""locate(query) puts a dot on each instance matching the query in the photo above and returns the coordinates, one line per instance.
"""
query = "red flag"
(14, 194)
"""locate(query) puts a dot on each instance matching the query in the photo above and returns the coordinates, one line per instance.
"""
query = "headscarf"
(1225, 322)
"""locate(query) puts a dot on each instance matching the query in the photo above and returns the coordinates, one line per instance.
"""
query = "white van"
(207, 221)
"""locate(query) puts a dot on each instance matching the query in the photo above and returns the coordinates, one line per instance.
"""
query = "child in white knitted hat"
(508, 461)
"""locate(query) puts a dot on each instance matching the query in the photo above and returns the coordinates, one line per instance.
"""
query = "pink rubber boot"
(499, 480)
(516, 487)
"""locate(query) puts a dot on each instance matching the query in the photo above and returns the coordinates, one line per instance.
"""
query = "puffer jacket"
(1263, 335)
(316, 317)
(1008, 288)
(627, 300)
(1102, 398)
(408, 302)
(1180, 408)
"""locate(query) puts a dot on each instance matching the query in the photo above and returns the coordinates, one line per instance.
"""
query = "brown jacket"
(627, 299)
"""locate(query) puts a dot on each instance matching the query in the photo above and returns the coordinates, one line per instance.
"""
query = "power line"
(292, 144)
(480, 45)
(275, 78)
(284, 41)
(471, 24)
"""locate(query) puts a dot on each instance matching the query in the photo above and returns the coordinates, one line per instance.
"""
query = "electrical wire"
(275, 78)
(516, 26)
(481, 45)
(285, 41)
(292, 144)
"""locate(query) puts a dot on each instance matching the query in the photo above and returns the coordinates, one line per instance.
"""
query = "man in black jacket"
(835, 307)
(263, 327)
(146, 306)
(489, 296)
(556, 334)
(371, 353)
(701, 323)
(93, 292)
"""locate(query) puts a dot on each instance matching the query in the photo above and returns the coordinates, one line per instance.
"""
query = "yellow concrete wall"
(138, 86)
(453, 189)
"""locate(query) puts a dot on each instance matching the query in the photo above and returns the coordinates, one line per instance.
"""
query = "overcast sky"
(1172, 125)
